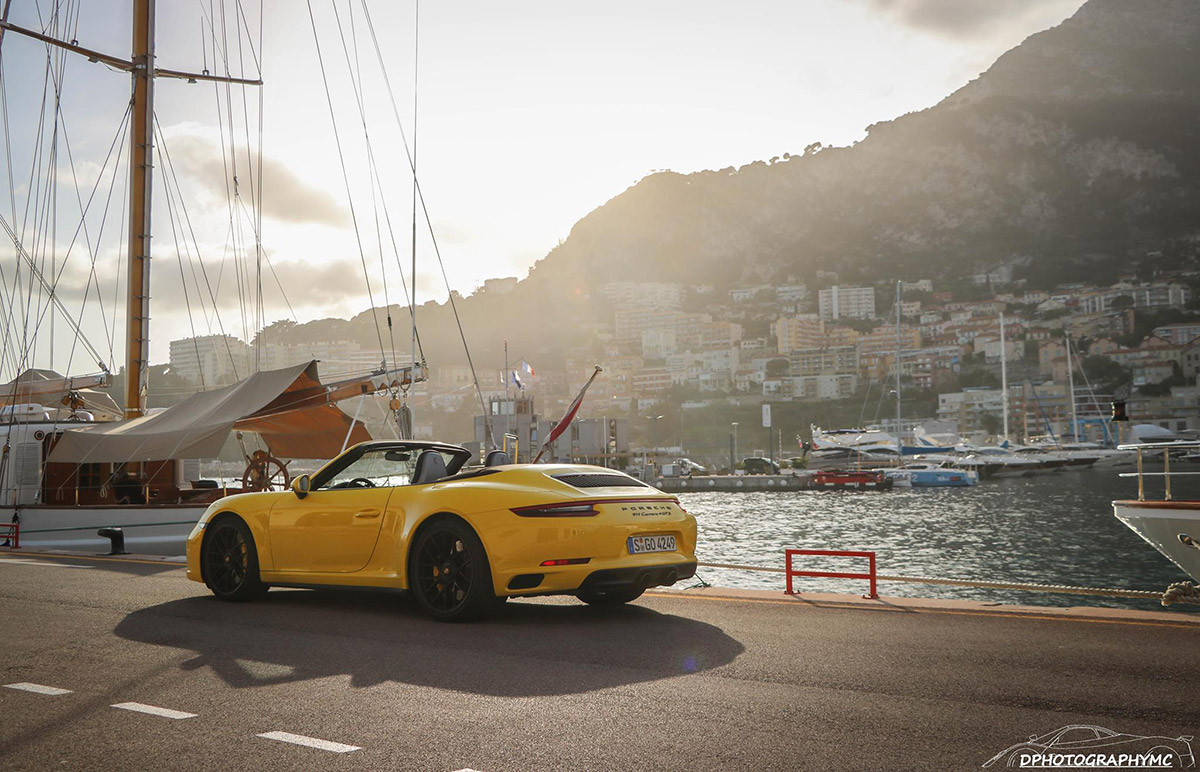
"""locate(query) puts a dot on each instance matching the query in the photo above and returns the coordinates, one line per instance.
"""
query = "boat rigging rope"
(354, 69)
(420, 196)
(345, 175)
(76, 323)
(171, 183)
(1181, 592)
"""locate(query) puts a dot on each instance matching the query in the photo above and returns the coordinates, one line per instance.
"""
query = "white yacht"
(1171, 525)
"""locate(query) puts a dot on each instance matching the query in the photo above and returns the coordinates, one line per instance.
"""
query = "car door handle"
(368, 513)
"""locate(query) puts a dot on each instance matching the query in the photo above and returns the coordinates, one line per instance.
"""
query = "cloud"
(286, 195)
(975, 18)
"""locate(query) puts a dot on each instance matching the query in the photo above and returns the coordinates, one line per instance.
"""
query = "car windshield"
(378, 469)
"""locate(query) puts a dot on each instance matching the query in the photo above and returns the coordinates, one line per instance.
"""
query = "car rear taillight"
(566, 562)
(570, 509)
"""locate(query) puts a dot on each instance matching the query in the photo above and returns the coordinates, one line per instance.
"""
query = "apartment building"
(794, 333)
(822, 387)
(824, 361)
(1184, 332)
(1157, 295)
(209, 361)
(630, 323)
(649, 294)
(846, 303)
(720, 335)
(969, 406)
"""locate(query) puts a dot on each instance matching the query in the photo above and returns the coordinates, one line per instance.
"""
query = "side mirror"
(301, 485)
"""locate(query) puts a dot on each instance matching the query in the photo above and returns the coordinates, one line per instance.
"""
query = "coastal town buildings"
(663, 343)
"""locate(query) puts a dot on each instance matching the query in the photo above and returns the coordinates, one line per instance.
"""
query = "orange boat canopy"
(293, 412)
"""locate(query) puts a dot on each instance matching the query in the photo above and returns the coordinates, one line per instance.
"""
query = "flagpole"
(566, 419)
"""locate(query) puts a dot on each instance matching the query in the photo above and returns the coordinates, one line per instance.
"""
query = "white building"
(745, 294)
(648, 294)
(791, 293)
(1160, 295)
(846, 303)
(500, 286)
(658, 343)
(337, 359)
(818, 387)
(209, 361)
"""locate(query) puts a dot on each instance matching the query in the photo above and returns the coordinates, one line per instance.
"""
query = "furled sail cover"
(48, 388)
(289, 408)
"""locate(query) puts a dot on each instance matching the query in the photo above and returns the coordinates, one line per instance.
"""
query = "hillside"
(1080, 142)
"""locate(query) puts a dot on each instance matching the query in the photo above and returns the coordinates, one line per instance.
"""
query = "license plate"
(640, 544)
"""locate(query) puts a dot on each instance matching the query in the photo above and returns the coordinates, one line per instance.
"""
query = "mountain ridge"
(1063, 146)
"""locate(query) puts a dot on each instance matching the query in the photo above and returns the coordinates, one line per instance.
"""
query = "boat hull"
(942, 478)
(839, 480)
(1162, 524)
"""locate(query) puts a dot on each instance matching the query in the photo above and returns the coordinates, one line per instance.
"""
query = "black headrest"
(497, 458)
(431, 467)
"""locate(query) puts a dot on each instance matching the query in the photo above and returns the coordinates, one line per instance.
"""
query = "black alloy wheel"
(610, 597)
(449, 574)
(230, 561)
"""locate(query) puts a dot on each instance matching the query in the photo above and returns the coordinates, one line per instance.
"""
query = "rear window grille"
(595, 480)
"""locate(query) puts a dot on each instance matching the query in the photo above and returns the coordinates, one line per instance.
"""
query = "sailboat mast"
(899, 441)
(1004, 376)
(141, 172)
(1071, 386)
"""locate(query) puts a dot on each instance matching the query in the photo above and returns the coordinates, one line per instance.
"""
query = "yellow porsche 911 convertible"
(401, 514)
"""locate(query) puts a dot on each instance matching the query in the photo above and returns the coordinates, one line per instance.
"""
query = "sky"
(529, 114)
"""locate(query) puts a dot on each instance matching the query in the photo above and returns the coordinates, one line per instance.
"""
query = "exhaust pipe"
(671, 578)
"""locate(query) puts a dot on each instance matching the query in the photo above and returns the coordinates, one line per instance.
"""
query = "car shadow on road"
(531, 649)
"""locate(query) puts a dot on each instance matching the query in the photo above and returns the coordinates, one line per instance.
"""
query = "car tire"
(610, 597)
(449, 574)
(229, 561)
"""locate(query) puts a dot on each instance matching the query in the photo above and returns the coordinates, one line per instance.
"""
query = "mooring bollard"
(117, 537)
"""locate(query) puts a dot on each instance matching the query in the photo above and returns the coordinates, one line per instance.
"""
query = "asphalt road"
(666, 683)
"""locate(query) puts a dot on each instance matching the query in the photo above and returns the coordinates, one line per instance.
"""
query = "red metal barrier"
(15, 533)
(791, 572)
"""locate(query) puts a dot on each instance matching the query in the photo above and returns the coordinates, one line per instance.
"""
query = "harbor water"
(1047, 529)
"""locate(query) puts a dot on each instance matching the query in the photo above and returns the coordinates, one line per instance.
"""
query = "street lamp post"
(733, 450)
(653, 438)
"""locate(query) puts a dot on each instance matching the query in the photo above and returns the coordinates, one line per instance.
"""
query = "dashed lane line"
(309, 742)
(153, 710)
(52, 691)
(19, 561)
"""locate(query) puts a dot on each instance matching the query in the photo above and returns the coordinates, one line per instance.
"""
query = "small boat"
(929, 475)
(866, 479)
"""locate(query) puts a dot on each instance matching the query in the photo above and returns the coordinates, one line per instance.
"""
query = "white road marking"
(21, 562)
(310, 742)
(153, 710)
(53, 691)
